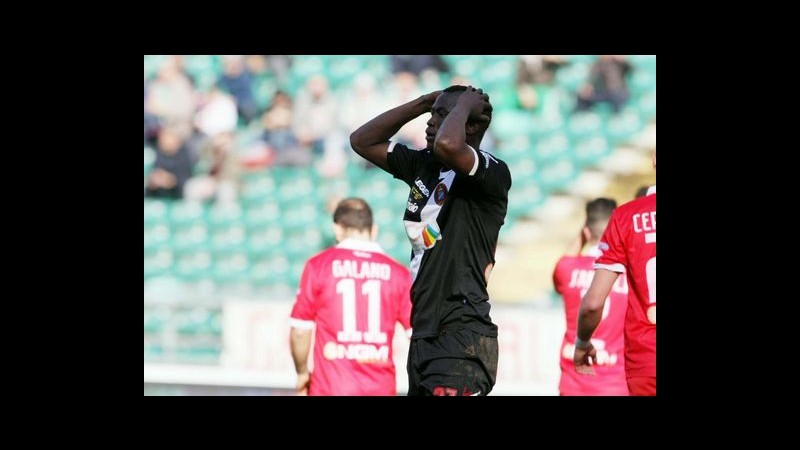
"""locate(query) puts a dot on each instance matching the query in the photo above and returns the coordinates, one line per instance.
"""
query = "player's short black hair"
(458, 88)
(353, 213)
(598, 212)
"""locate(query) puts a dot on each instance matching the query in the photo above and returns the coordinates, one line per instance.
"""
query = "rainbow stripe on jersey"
(429, 236)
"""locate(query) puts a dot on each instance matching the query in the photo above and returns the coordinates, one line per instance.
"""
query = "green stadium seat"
(302, 243)
(264, 88)
(589, 151)
(642, 62)
(298, 186)
(151, 64)
(224, 215)
(509, 123)
(646, 105)
(342, 69)
(153, 351)
(466, 66)
(543, 126)
(266, 239)
(191, 237)
(517, 147)
(198, 321)
(156, 237)
(186, 213)
(524, 198)
(258, 186)
(623, 126)
(198, 354)
(157, 262)
(204, 69)
(260, 271)
(581, 59)
(552, 148)
(642, 81)
(229, 238)
(155, 211)
(557, 176)
(230, 267)
(299, 213)
(155, 319)
(582, 125)
(573, 75)
(499, 71)
(278, 265)
(193, 266)
(262, 213)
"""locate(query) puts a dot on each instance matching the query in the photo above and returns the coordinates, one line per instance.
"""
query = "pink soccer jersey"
(571, 278)
(629, 242)
(355, 294)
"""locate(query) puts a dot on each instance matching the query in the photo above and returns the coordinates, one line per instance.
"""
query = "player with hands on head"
(456, 205)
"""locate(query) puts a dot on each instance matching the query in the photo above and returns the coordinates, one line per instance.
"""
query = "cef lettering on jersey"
(348, 268)
(644, 222)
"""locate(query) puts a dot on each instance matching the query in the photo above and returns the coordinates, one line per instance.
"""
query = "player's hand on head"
(430, 98)
(584, 359)
(478, 103)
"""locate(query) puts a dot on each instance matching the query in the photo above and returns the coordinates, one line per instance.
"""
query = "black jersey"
(453, 221)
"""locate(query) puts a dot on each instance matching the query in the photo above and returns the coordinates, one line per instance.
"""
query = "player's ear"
(373, 232)
(587, 234)
(472, 127)
(338, 231)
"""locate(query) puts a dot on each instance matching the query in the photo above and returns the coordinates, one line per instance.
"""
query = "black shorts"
(454, 363)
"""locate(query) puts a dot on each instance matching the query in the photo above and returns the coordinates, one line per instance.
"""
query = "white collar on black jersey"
(357, 244)
(651, 190)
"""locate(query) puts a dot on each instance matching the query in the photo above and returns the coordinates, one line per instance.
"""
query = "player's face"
(441, 107)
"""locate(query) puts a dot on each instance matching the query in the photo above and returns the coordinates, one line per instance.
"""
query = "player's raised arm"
(371, 140)
(467, 119)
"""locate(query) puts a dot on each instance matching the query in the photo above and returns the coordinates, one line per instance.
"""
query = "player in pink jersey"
(571, 278)
(628, 244)
(355, 294)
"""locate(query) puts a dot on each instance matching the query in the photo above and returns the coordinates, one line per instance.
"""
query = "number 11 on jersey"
(346, 287)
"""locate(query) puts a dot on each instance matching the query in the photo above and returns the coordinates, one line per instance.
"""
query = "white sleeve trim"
(617, 267)
(474, 166)
(391, 146)
(409, 332)
(301, 324)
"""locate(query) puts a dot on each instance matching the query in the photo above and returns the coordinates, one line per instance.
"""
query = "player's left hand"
(478, 103)
(584, 359)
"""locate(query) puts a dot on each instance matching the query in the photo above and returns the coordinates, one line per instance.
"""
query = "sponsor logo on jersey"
(440, 193)
(363, 353)
(422, 187)
(413, 207)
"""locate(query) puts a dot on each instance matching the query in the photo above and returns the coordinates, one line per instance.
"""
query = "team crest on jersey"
(440, 193)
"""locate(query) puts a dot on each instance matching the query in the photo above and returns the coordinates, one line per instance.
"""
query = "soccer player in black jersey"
(456, 206)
